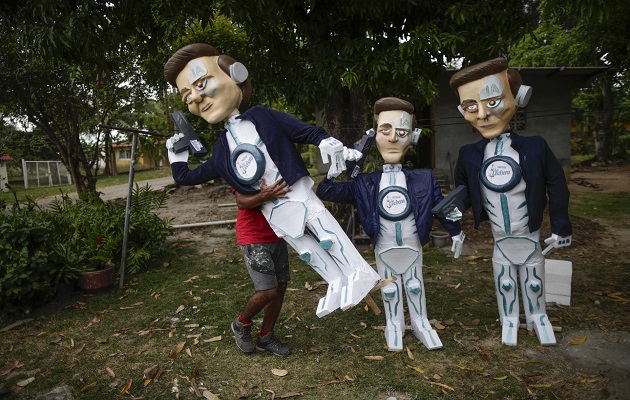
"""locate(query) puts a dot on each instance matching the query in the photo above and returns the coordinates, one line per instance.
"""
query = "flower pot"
(439, 239)
(91, 280)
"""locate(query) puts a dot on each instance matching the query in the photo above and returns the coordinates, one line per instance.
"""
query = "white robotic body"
(332, 300)
(428, 337)
(394, 336)
(543, 329)
(509, 330)
(288, 217)
(516, 250)
(359, 285)
(399, 259)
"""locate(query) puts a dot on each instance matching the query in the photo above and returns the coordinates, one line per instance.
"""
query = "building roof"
(6, 157)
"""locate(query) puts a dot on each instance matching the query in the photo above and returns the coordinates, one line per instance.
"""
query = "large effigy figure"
(510, 179)
(394, 206)
(259, 143)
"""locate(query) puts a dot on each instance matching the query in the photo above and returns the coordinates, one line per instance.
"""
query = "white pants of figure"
(305, 223)
(406, 265)
(521, 257)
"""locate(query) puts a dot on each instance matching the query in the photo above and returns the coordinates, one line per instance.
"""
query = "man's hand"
(172, 156)
(555, 242)
(458, 243)
(331, 150)
(277, 190)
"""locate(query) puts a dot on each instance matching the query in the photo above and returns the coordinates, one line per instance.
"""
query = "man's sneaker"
(243, 335)
(271, 344)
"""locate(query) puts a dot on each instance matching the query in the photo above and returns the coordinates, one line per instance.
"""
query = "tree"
(70, 66)
(339, 57)
(585, 33)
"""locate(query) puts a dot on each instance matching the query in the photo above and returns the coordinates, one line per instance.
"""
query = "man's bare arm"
(276, 190)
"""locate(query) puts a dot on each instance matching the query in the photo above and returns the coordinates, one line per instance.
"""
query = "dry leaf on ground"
(279, 372)
(177, 349)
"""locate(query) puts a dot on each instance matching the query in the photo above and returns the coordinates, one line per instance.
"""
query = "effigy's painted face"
(393, 135)
(209, 92)
(488, 104)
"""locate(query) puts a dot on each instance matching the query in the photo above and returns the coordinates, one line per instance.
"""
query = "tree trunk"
(345, 115)
(603, 133)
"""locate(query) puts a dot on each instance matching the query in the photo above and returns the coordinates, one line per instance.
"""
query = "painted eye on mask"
(188, 98)
(402, 133)
(471, 108)
(494, 103)
(201, 84)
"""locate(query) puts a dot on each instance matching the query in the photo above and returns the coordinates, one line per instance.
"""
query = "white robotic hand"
(454, 215)
(172, 156)
(555, 242)
(351, 154)
(331, 150)
(458, 243)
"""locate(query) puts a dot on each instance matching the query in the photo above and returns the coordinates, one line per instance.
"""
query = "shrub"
(45, 247)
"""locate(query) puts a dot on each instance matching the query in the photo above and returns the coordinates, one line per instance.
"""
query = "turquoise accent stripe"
(489, 203)
(491, 213)
(495, 224)
(392, 178)
(523, 204)
(529, 300)
(499, 149)
(524, 216)
(542, 323)
(542, 289)
(399, 239)
(506, 214)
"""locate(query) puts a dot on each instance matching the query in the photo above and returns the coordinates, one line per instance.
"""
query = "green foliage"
(46, 247)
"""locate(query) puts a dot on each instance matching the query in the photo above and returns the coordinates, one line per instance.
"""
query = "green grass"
(607, 206)
(192, 297)
(102, 182)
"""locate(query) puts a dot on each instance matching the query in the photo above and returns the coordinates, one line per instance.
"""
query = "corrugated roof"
(6, 157)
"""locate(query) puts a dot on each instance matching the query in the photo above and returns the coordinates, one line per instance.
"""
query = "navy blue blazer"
(362, 191)
(543, 175)
(277, 130)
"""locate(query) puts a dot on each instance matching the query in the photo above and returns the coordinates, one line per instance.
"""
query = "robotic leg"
(394, 313)
(416, 300)
(532, 286)
(507, 300)
(361, 277)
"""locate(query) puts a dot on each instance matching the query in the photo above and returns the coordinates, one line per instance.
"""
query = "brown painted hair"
(180, 59)
(481, 70)
(393, 104)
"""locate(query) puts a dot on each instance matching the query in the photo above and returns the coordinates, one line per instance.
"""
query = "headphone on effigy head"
(523, 95)
(238, 73)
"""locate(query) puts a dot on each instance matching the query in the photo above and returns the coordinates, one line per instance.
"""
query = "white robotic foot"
(332, 300)
(543, 329)
(509, 331)
(359, 285)
(427, 335)
(394, 336)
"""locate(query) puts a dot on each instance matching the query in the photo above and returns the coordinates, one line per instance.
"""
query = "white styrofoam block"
(558, 275)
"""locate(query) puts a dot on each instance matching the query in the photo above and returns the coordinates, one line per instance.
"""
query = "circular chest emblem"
(393, 203)
(248, 163)
(500, 173)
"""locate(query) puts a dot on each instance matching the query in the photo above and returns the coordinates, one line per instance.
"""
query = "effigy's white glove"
(172, 156)
(458, 243)
(331, 150)
(454, 215)
(555, 242)
(351, 154)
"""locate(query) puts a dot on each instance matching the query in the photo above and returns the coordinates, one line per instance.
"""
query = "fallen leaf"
(442, 385)
(87, 387)
(196, 371)
(177, 349)
(501, 378)
(578, 341)
(209, 395)
(25, 382)
(110, 372)
(279, 372)
(80, 349)
(213, 339)
(149, 373)
(410, 354)
(10, 368)
(347, 378)
(127, 386)
(420, 370)
(180, 309)
(439, 326)
(188, 352)
(374, 358)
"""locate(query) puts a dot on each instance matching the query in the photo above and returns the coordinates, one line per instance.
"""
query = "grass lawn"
(166, 334)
